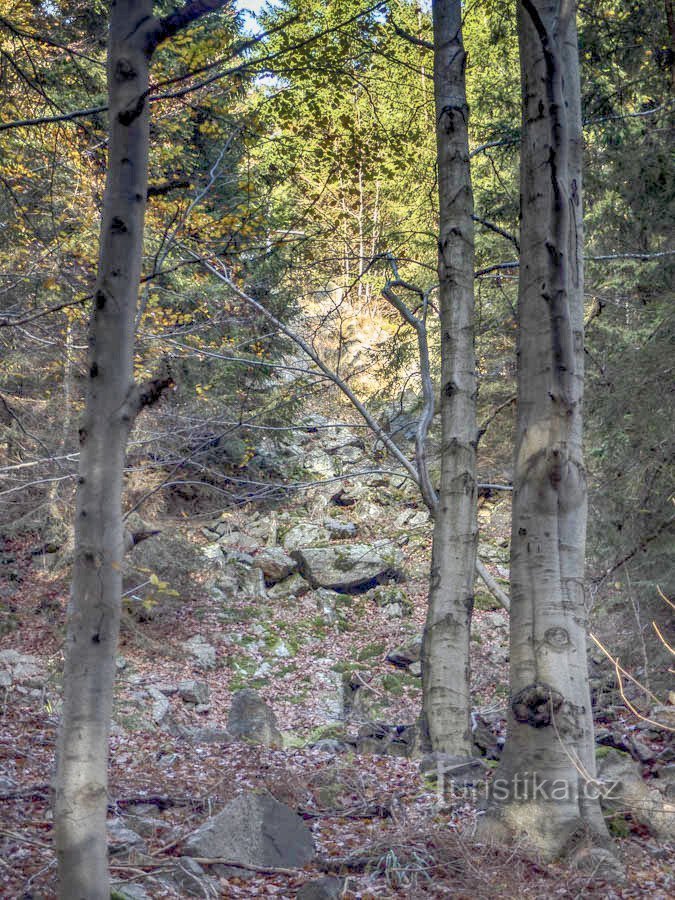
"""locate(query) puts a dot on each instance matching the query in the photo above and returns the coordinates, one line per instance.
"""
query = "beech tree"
(550, 728)
(113, 402)
(445, 653)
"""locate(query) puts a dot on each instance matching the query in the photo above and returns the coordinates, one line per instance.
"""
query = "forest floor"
(372, 807)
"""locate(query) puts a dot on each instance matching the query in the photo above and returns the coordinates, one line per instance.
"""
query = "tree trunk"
(94, 609)
(445, 656)
(113, 401)
(541, 787)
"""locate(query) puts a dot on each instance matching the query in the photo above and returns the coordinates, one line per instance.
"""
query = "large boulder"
(162, 571)
(350, 567)
(251, 719)
(254, 829)
(626, 791)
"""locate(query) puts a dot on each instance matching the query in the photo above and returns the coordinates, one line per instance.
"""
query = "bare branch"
(411, 39)
(497, 230)
(419, 324)
(492, 585)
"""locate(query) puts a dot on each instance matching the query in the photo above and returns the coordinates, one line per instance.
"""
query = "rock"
(305, 534)
(122, 839)
(338, 529)
(202, 653)
(189, 877)
(209, 736)
(289, 589)
(251, 584)
(392, 600)
(146, 826)
(640, 750)
(21, 668)
(327, 602)
(349, 495)
(402, 418)
(332, 746)
(598, 863)
(196, 692)
(281, 650)
(369, 512)
(389, 740)
(330, 700)
(349, 567)
(129, 891)
(251, 719)
(317, 462)
(626, 791)
(238, 540)
(406, 655)
(172, 558)
(257, 830)
(327, 888)
(411, 518)
(160, 705)
(275, 564)
(338, 438)
(415, 668)
(348, 455)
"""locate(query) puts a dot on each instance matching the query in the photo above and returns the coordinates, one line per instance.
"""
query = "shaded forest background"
(295, 154)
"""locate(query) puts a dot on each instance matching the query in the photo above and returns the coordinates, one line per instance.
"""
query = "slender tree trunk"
(94, 609)
(445, 656)
(113, 401)
(550, 729)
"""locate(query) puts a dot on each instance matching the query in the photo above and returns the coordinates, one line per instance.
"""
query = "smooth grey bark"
(112, 403)
(550, 727)
(445, 649)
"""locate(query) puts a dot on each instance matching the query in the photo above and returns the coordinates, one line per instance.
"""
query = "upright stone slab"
(254, 829)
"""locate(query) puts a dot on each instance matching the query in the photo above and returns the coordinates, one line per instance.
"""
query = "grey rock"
(332, 746)
(196, 692)
(327, 888)
(21, 668)
(209, 736)
(202, 653)
(289, 589)
(350, 567)
(305, 534)
(339, 529)
(160, 705)
(145, 826)
(122, 839)
(130, 891)
(189, 877)
(317, 462)
(326, 602)
(251, 719)
(625, 789)
(275, 564)
(406, 655)
(254, 829)
(348, 455)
